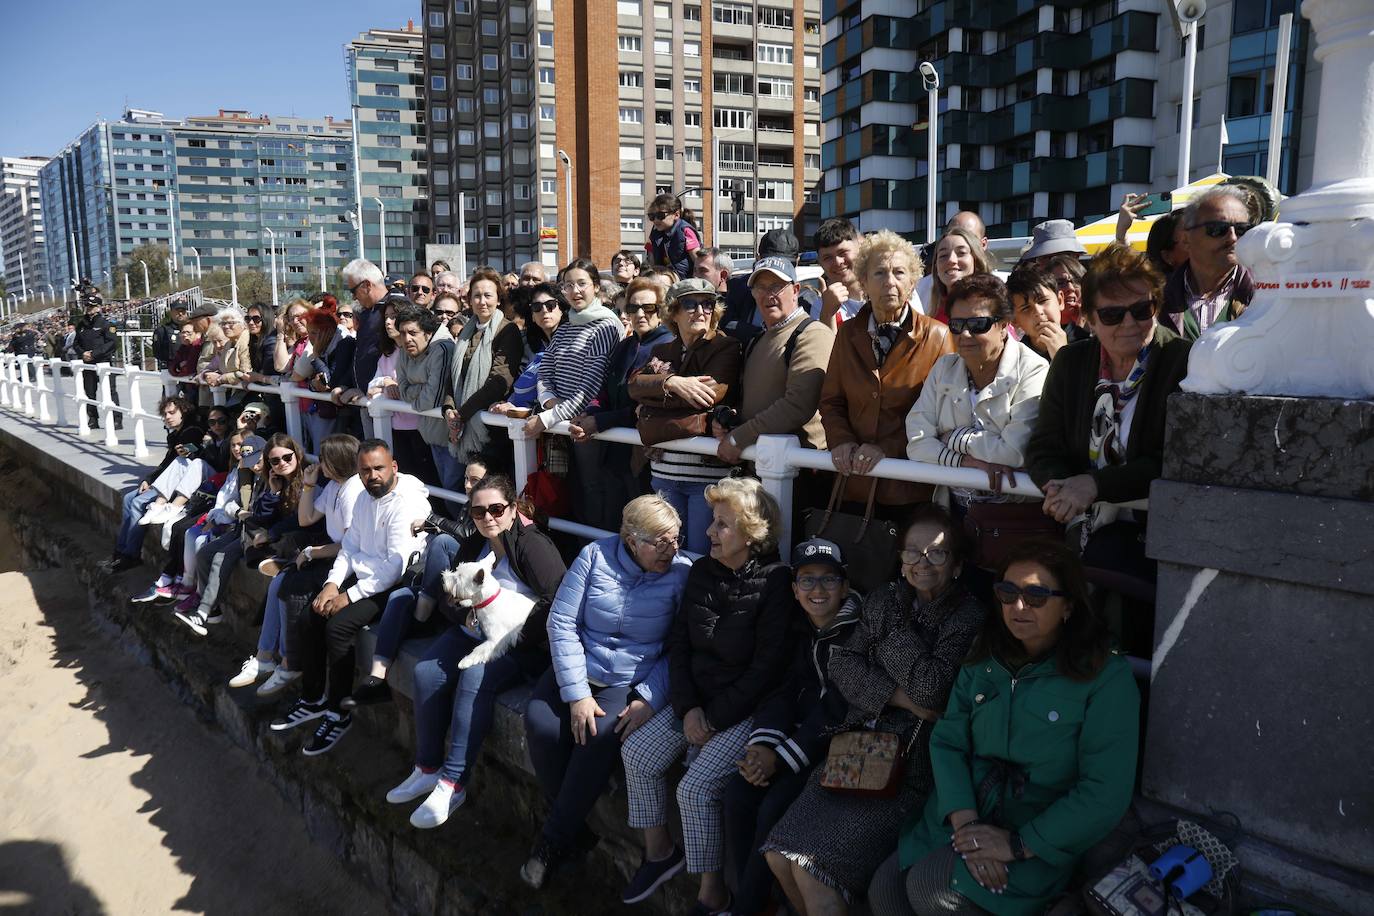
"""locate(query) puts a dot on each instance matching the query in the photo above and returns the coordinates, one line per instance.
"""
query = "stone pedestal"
(1262, 695)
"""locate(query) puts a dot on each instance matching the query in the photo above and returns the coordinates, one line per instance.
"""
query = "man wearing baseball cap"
(792, 726)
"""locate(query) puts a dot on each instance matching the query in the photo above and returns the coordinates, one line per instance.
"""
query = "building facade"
(22, 239)
(1046, 109)
(643, 98)
(386, 84)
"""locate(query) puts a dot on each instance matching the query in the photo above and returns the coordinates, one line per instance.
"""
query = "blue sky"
(65, 63)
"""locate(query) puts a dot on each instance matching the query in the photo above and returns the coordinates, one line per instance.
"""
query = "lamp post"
(322, 268)
(568, 182)
(196, 251)
(233, 279)
(931, 79)
(171, 272)
(147, 285)
(23, 284)
(381, 227)
(272, 243)
(52, 293)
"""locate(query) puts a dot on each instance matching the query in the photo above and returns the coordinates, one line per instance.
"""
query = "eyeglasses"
(1112, 315)
(636, 308)
(281, 460)
(1216, 228)
(935, 556)
(1031, 595)
(495, 510)
(343, 315)
(979, 324)
(353, 290)
(422, 289)
(254, 319)
(571, 285)
(697, 305)
(829, 583)
(220, 421)
(656, 215)
(446, 313)
(663, 544)
(545, 305)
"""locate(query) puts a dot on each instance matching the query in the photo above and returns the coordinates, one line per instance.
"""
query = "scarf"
(475, 436)
(886, 335)
(1104, 441)
(594, 312)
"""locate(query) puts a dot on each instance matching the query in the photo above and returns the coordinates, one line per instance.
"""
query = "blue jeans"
(398, 620)
(450, 468)
(458, 702)
(273, 617)
(689, 499)
(130, 540)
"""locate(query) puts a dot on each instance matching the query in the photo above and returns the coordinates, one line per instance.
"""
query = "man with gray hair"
(367, 286)
(714, 266)
(447, 282)
(1212, 286)
(533, 273)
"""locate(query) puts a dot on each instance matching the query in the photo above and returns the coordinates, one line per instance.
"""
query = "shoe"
(279, 680)
(370, 690)
(252, 669)
(195, 620)
(273, 565)
(301, 711)
(181, 590)
(214, 617)
(537, 867)
(651, 876)
(443, 800)
(155, 515)
(124, 563)
(189, 603)
(159, 593)
(701, 909)
(416, 784)
(332, 728)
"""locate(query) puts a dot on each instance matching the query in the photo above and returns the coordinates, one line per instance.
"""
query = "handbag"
(1129, 889)
(546, 490)
(869, 544)
(866, 762)
(994, 528)
(659, 424)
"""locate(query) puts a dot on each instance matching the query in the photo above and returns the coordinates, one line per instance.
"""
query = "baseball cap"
(692, 286)
(781, 267)
(818, 550)
(779, 243)
(253, 448)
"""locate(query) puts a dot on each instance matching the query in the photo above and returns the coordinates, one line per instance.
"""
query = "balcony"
(1054, 174)
(1130, 31)
(1126, 98)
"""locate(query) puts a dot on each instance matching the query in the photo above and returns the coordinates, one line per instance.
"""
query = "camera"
(727, 417)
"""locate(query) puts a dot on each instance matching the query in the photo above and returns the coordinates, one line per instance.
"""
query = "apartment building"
(22, 239)
(386, 86)
(643, 98)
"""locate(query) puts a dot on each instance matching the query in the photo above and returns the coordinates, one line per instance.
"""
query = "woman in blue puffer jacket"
(607, 630)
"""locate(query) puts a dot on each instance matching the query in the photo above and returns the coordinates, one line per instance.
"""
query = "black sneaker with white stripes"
(302, 711)
(331, 729)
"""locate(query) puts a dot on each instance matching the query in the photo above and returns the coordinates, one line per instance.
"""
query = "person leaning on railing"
(230, 362)
(326, 365)
(544, 309)
(411, 450)
(423, 375)
(486, 360)
(880, 362)
(1100, 435)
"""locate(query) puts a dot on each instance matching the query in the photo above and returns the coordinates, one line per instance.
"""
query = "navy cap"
(818, 550)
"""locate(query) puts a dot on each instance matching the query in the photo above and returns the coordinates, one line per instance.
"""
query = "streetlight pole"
(381, 227)
(52, 293)
(171, 271)
(272, 242)
(322, 268)
(233, 278)
(147, 286)
(23, 284)
(931, 79)
(1185, 127)
(196, 251)
(358, 189)
(572, 221)
(127, 297)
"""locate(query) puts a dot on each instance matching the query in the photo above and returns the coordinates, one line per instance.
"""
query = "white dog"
(495, 612)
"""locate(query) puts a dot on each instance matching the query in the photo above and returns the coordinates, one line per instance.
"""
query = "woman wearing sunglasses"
(544, 308)
(978, 408)
(460, 703)
(1034, 757)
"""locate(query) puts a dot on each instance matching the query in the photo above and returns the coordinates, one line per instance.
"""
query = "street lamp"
(931, 79)
(196, 251)
(381, 226)
(147, 286)
(568, 182)
(272, 244)
(52, 293)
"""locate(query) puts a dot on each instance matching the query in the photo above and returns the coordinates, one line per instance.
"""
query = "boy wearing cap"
(792, 725)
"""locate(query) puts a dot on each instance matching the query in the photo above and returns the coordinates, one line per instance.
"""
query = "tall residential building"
(643, 97)
(1046, 109)
(386, 84)
(22, 240)
(239, 175)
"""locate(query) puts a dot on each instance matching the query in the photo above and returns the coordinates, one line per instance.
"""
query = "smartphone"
(1157, 203)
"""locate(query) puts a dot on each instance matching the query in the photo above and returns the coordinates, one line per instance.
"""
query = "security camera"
(1191, 10)
(929, 76)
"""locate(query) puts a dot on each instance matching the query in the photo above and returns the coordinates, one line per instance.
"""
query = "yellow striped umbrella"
(1098, 235)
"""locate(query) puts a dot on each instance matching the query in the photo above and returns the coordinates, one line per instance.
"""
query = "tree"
(155, 256)
(254, 286)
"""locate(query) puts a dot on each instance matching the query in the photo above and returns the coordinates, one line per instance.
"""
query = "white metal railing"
(777, 459)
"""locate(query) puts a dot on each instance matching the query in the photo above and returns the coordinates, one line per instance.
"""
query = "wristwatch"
(1018, 849)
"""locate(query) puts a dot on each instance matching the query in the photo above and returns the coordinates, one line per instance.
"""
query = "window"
(663, 116)
(1248, 95)
(732, 14)
(630, 43)
(389, 65)
(522, 192)
(811, 160)
(494, 230)
(664, 83)
(631, 79)
(524, 227)
(775, 86)
(467, 137)
(436, 50)
(631, 153)
(691, 13)
(463, 104)
(462, 72)
(389, 190)
(491, 28)
(470, 202)
(436, 20)
(691, 154)
(733, 84)
(736, 222)
(630, 187)
(691, 118)
(774, 189)
(546, 150)
(491, 97)
(811, 94)
(389, 165)
(546, 112)
(492, 163)
(441, 145)
(691, 84)
(519, 85)
(627, 8)
(519, 120)
(548, 186)
(387, 91)
(491, 129)
(494, 199)
(737, 155)
(810, 61)
(392, 140)
(691, 49)
(726, 186)
(774, 54)
(775, 17)
(491, 62)
(193, 144)
(663, 152)
(388, 116)
(631, 115)
(546, 38)
(546, 75)
(663, 46)
(436, 83)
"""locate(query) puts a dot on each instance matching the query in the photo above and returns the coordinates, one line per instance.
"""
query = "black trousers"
(750, 812)
(327, 657)
(91, 382)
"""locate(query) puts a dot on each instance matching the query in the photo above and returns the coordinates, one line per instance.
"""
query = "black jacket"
(797, 719)
(166, 339)
(615, 407)
(97, 335)
(24, 343)
(729, 643)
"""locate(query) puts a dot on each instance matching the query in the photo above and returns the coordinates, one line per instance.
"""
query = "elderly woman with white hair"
(608, 629)
(231, 363)
(728, 650)
(877, 368)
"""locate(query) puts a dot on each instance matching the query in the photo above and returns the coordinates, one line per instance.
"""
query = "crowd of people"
(847, 712)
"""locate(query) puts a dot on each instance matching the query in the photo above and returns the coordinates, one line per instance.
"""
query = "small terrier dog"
(495, 612)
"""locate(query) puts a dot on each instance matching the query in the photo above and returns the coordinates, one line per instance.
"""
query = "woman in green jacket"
(1034, 757)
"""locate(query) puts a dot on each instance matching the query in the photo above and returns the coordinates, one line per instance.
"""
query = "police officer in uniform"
(96, 342)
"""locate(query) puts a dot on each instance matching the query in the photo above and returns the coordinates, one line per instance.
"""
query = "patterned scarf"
(1104, 441)
(886, 335)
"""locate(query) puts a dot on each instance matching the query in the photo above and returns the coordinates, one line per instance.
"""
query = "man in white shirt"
(372, 556)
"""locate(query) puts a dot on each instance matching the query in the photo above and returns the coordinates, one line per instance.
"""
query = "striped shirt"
(574, 366)
(686, 467)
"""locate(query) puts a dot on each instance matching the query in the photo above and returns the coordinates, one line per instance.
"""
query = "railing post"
(292, 406)
(59, 408)
(83, 414)
(380, 416)
(26, 376)
(169, 383)
(40, 382)
(770, 461)
(105, 384)
(218, 396)
(5, 360)
(136, 414)
(526, 452)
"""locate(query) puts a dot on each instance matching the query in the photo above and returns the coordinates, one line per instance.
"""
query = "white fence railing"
(33, 386)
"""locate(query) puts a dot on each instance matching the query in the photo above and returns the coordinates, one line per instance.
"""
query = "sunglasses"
(656, 214)
(353, 290)
(829, 583)
(697, 305)
(254, 319)
(220, 421)
(1112, 315)
(343, 315)
(422, 289)
(281, 460)
(1216, 228)
(495, 510)
(979, 324)
(545, 305)
(935, 556)
(637, 308)
(1031, 595)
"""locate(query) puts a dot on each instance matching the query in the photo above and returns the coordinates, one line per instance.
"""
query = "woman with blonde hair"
(729, 648)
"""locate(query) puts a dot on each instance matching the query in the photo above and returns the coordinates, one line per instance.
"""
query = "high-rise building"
(239, 175)
(1046, 109)
(22, 239)
(643, 97)
(386, 83)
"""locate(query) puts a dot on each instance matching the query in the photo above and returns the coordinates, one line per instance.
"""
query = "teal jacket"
(1070, 751)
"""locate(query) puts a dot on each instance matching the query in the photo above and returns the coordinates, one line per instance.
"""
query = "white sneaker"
(280, 679)
(154, 515)
(252, 669)
(442, 802)
(417, 783)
